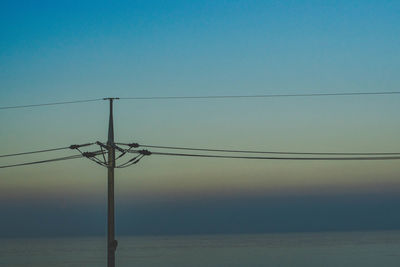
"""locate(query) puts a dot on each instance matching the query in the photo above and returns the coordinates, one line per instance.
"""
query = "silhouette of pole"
(111, 242)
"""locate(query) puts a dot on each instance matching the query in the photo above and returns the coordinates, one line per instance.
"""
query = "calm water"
(305, 249)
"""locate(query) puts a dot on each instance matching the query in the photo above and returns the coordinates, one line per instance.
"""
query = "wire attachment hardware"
(134, 145)
(89, 154)
(78, 146)
(144, 152)
(101, 144)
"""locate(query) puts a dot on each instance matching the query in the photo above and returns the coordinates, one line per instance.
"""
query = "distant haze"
(54, 51)
(204, 216)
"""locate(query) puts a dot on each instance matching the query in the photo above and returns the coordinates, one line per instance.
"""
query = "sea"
(352, 249)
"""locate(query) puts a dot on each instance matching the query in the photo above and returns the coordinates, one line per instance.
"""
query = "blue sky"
(68, 50)
(86, 49)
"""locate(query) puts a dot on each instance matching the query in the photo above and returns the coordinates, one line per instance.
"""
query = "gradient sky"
(68, 50)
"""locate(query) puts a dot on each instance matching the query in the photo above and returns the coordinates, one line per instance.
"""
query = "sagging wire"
(103, 151)
(101, 145)
(274, 158)
(124, 151)
(269, 152)
(130, 162)
(134, 160)
(91, 155)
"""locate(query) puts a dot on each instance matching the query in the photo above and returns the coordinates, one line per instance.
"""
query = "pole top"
(111, 98)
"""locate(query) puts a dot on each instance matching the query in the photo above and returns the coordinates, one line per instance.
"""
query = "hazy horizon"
(73, 50)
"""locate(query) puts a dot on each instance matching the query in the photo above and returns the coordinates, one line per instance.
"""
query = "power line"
(92, 154)
(205, 97)
(42, 161)
(51, 104)
(131, 162)
(265, 152)
(33, 152)
(45, 150)
(267, 158)
(261, 95)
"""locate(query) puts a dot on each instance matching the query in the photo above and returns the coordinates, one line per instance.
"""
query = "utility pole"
(111, 242)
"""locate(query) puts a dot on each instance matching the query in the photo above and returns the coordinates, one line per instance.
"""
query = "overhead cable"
(45, 150)
(132, 161)
(52, 104)
(260, 152)
(262, 95)
(90, 156)
(205, 97)
(42, 161)
(266, 158)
